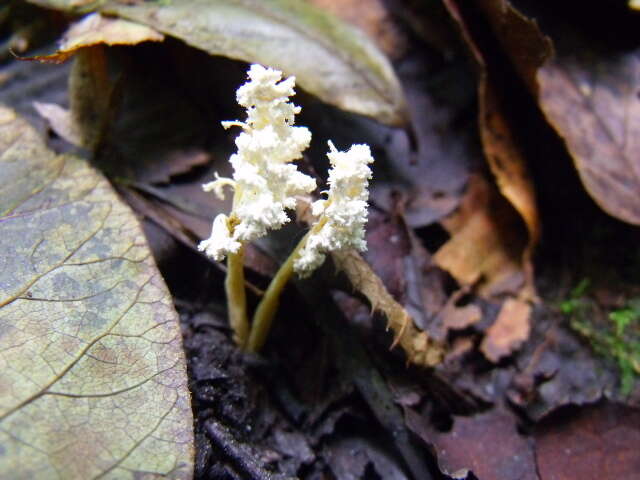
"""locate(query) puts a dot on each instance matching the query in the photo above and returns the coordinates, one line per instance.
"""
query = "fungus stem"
(268, 306)
(236, 297)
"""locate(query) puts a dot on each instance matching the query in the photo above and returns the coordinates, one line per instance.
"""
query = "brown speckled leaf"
(92, 373)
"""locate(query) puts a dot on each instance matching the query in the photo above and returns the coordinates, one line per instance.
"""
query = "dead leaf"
(503, 154)
(591, 99)
(509, 331)
(329, 58)
(488, 444)
(527, 47)
(486, 245)
(95, 29)
(556, 369)
(589, 96)
(595, 442)
(419, 348)
(458, 317)
(91, 364)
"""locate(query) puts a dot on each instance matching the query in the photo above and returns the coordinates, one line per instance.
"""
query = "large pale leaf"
(92, 374)
(330, 59)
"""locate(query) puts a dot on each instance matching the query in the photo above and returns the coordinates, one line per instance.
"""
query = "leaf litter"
(460, 265)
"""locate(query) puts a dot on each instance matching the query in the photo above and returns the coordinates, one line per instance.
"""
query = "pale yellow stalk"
(236, 297)
(268, 306)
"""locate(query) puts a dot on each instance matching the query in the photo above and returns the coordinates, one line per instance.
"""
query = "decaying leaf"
(330, 59)
(486, 252)
(92, 95)
(589, 95)
(91, 364)
(419, 348)
(95, 29)
(458, 317)
(508, 331)
(520, 37)
(488, 444)
(556, 369)
(600, 441)
(591, 99)
(502, 152)
(485, 248)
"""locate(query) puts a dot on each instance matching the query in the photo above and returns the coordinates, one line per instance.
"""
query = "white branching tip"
(217, 186)
(221, 241)
(266, 183)
(343, 215)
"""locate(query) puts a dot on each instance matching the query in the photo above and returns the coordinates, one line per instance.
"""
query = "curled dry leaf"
(503, 154)
(92, 370)
(418, 346)
(329, 58)
(95, 29)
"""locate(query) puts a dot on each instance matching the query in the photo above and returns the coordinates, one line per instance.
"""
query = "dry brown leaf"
(527, 47)
(591, 99)
(486, 244)
(502, 152)
(510, 329)
(418, 346)
(96, 29)
(589, 96)
(455, 317)
(509, 168)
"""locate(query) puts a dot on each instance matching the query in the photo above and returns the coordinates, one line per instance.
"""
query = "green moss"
(614, 335)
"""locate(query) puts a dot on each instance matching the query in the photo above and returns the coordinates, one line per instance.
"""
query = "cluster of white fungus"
(265, 183)
(343, 215)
